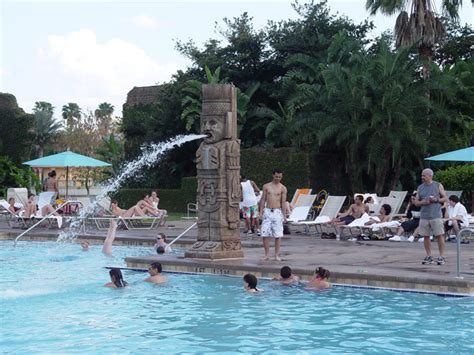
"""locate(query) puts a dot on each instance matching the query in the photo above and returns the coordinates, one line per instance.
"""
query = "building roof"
(143, 95)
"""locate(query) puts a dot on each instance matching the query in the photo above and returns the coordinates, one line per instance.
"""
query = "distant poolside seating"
(455, 193)
(331, 208)
(299, 193)
(20, 194)
(11, 217)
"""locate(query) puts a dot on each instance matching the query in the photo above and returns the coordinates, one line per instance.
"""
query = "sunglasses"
(159, 238)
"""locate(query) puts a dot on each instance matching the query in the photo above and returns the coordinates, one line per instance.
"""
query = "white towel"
(359, 222)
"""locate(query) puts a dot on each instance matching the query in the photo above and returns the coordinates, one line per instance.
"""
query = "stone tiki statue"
(218, 174)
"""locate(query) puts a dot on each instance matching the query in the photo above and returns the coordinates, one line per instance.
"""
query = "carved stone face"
(214, 128)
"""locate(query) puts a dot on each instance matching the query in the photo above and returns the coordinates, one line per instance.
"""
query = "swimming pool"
(52, 300)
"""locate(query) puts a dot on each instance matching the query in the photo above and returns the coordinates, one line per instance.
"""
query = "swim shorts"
(347, 219)
(250, 211)
(272, 223)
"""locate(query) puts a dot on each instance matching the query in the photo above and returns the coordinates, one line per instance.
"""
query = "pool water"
(52, 300)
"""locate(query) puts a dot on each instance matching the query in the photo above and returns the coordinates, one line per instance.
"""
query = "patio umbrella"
(466, 155)
(66, 160)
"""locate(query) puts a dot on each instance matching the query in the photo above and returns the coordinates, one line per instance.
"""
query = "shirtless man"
(274, 211)
(155, 274)
(356, 210)
(51, 183)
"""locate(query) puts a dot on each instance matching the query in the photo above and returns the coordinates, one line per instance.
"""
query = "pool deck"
(366, 264)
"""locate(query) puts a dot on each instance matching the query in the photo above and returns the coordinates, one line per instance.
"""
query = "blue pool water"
(52, 301)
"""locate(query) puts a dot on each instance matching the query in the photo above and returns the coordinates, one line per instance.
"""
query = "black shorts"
(449, 227)
(410, 225)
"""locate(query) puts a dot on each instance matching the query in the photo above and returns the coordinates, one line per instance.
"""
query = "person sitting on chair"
(356, 210)
(12, 208)
(131, 212)
(384, 215)
(457, 215)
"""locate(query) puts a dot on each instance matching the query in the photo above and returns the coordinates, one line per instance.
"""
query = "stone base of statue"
(215, 250)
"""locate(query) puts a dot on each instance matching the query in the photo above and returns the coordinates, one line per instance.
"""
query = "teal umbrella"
(65, 160)
(466, 155)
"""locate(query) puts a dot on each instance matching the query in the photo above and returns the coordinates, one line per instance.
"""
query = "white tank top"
(249, 198)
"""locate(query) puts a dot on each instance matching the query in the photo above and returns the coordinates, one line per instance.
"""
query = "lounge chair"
(20, 194)
(331, 208)
(302, 208)
(400, 196)
(297, 194)
(191, 208)
(456, 193)
(11, 217)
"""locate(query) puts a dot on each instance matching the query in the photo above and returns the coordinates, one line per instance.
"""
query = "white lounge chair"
(11, 217)
(298, 193)
(302, 208)
(455, 193)
(331, 208)
(20, 194)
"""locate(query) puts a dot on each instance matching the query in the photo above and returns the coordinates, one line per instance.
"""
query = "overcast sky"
(89, 52)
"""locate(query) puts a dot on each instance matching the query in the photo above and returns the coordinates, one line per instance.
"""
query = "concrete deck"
(371, 263)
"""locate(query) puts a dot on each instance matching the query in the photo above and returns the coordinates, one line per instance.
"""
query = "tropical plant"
(111, 150)
(71, 113)
(280, 130)
(418, 26)
(43, 106)
(13, 176)
(46, 130)
(103, 115)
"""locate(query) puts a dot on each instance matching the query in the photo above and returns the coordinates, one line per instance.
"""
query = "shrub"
(13, 176)
(458, 178)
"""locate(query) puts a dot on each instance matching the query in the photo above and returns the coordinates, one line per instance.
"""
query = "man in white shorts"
(273, 212)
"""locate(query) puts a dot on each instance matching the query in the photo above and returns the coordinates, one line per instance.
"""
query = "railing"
(179, 236)
(46, 217)
(467, 231)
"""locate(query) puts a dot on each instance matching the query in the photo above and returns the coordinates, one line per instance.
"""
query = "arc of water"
(151, 155)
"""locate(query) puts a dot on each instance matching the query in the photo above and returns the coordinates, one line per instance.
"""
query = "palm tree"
(46, 129)
(71, 112)
(103, 115)
(111, 150)
(43, 106)
(421, 26)
(191, 103)
(280, 131)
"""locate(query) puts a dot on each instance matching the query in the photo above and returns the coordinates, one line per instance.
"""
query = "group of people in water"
(318, 282)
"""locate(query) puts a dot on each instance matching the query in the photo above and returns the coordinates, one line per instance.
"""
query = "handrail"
(179, 236)
(458, 250)
(46, 217)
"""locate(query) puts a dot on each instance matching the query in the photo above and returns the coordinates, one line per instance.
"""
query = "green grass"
(176, 216)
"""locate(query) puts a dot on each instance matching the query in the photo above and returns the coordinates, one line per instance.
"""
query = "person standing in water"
(116, 279)
(274, 212)
(155, 274)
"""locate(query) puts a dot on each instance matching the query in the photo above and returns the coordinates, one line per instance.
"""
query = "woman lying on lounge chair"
(383, 217)
(131, 212)
(12, 208)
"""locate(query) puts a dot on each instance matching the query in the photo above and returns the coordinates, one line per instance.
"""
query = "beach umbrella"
(66, 160)
(464, 155)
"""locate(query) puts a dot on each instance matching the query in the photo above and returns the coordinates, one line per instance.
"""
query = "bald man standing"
(431, 196)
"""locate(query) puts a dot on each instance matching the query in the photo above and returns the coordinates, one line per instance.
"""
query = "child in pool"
(319, 282)
(250, 284)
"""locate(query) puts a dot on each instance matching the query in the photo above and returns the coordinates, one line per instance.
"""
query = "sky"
(89, 52)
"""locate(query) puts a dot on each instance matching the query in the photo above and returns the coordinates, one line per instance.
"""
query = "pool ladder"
(46, 217)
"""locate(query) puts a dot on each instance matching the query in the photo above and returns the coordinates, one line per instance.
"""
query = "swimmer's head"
(285, 272)
(322, 273)
(160, 250)
(85, 245)
(250, 282)
(161, 237)
(155, 269)
(116, 277)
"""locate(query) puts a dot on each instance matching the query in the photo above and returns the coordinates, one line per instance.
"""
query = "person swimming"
(155, 274)
(286, 276)
(85, 245)
(250, 283)
(116, 278)
(319, 281)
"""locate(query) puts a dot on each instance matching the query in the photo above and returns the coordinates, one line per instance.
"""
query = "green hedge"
(256, 164)
(458, 178)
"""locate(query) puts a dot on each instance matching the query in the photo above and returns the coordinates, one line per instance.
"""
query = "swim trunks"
(250, 211)
(347, 219)
(272, 223)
